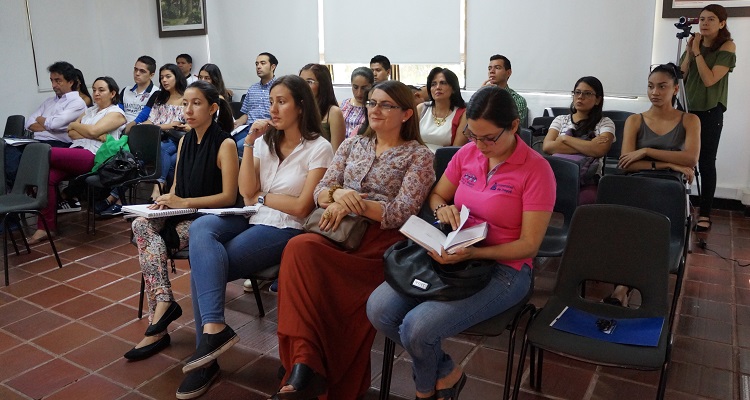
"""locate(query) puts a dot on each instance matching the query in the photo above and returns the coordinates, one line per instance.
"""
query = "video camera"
(685, 24)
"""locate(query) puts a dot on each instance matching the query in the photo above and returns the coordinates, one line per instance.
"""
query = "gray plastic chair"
(566, 201)
(14, 127)
(616, 244)
(33, 176)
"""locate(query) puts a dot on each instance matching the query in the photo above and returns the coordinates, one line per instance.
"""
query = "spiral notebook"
(142, 210)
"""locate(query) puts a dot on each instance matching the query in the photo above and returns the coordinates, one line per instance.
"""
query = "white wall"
(130, 31)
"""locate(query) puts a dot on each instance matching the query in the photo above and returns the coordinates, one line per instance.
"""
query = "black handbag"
(120, 168)
(412, 272)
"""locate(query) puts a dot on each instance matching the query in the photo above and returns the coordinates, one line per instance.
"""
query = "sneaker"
(247, 286)
(101, 205)
(274, 288)
(68, 206)
(197, 382)
(111, 211)
(210, 347)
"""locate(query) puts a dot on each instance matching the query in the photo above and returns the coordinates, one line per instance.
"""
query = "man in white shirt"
(50, 121)
(138, 100)
(185, 64)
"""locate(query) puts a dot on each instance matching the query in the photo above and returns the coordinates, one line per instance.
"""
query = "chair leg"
(389, 350)
(540, 362)
(528, 308)
(258, 299)
(140, 300)
(5, 252)
(49, 237)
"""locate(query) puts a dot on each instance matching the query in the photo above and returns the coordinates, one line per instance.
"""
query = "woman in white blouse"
(443, 116)
(88, 133)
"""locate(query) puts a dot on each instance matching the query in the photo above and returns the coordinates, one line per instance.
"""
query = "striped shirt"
(256, 104)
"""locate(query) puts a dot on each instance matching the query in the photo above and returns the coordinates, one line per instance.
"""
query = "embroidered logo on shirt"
(502, 187)
(469, 179)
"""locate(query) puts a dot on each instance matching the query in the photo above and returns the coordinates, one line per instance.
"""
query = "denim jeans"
(13, 159)
(239, 138)
(168, 158)
(420, 326)
(223, 249)
(712, 122)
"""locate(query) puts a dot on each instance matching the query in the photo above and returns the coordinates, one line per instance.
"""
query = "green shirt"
(520, 104)
(700, 97)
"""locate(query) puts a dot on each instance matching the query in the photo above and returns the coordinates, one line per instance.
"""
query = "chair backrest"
(617, 244)
(145, 143)
(664, 196)
(616, 115)
(33, 172)
(543, 121)
(616, 148)
(14, 126)
(555, 111)
(236, 107)
(2, 167)
(443, 156)
(566, 176)
(526, 135)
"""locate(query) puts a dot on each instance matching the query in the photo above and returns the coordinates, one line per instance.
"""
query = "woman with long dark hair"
(442, 117)
(212, 74)
(332, 120)
(353, 108)
(706, 65)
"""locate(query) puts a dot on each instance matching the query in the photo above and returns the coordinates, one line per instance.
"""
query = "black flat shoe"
(452, 393)
(198, 381)
(702, 228)
(307, 384)
(148, 351)
(210, 347)
(173, 312)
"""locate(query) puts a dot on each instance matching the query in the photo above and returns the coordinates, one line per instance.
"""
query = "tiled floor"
(63, 331)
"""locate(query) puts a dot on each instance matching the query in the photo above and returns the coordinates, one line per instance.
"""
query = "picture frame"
(181, 18)
(692, 8)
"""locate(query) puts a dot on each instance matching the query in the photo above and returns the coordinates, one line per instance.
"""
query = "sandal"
(702, 228)
(307, 384)
(617, 302)
(453, 392)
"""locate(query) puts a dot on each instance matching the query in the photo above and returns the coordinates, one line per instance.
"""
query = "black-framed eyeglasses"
(486, 140)
(586, 94)
(371, 104)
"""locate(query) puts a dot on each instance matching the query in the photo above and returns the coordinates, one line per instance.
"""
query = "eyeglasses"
(586, 94)
(371, 104)
(311, 82)
(486, 140)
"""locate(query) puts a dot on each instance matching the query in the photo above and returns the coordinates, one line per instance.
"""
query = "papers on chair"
(246, 211)
(238, 129)
(19, 141)
(632, 331)
(431, 238)
(143, 210)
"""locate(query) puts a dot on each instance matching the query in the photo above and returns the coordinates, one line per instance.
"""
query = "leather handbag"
(412, 272)
(120, 168)
(349, 233)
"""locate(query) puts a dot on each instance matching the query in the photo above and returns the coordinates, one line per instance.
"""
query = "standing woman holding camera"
(706, 65)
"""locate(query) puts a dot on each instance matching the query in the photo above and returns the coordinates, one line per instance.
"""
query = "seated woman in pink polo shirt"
(511, 187)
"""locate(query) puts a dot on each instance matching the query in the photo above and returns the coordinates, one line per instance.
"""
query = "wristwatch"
(262, 198)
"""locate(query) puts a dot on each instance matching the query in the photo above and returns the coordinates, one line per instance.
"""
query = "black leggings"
(712, 121)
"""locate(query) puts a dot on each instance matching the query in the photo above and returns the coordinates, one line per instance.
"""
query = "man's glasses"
(586, 94)
(486, 140)
(371, 104)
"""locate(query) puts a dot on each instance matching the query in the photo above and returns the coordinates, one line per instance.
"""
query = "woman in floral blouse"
(385, 175)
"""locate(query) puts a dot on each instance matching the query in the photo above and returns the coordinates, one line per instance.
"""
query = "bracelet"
(434, 212)
(248, 145)
(331, 190)
(697, 55)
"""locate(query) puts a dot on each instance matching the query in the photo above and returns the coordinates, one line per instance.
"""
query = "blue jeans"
(420, 326)
(223, 249)
(13, 159)
(168, 158)
(239, 138)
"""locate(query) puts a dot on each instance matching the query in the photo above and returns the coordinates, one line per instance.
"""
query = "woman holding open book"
(504, 183)
(385, 175)
(289, 157)
(205, 177)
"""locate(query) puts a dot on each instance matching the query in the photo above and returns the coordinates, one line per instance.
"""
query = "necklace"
(439, 121)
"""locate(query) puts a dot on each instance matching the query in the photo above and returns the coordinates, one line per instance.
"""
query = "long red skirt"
(323, 294)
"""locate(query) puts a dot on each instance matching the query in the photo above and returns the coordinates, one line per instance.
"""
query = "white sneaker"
(248, 286)
(67, 206)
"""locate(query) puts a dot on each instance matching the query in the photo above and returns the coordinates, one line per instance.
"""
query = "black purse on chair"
(412, 272)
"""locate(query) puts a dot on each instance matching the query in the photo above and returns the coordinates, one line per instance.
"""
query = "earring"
(403, 121)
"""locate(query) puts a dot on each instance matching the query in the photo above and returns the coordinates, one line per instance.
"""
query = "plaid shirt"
(256, 104)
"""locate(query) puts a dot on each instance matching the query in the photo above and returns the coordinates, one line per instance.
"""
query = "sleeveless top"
(197, 172)
(354, 117)
(673, 140)
(435, 136)
(325, 131)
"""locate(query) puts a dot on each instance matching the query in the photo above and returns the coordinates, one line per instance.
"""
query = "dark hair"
(271, 58)
(382, 60)
(149, 61)
(585, 126)
(456, 100)
(81, 83)
(180, 83)
(365, 73)
(224, 115)
(723, 34)
(493, 104)
(404, 98)
(112, 86)
(506, 62)
(366, 123)
(671, 70)
(309, 119)
(67, 70)
(186, 57)
(326, 97)
(216, 79)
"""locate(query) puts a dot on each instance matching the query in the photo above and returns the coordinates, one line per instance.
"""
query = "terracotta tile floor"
(63, 331)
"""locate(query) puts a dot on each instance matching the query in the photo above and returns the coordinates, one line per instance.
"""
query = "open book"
(246, 211)
(142, 210)
(431, 238)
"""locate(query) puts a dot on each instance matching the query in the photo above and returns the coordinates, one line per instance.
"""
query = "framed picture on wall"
(181, 17)
(692, 8)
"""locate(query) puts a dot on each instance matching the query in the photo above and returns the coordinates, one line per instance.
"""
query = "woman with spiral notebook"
(205, 177)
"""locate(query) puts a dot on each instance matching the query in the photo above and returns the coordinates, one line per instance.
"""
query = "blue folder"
(632, 331)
